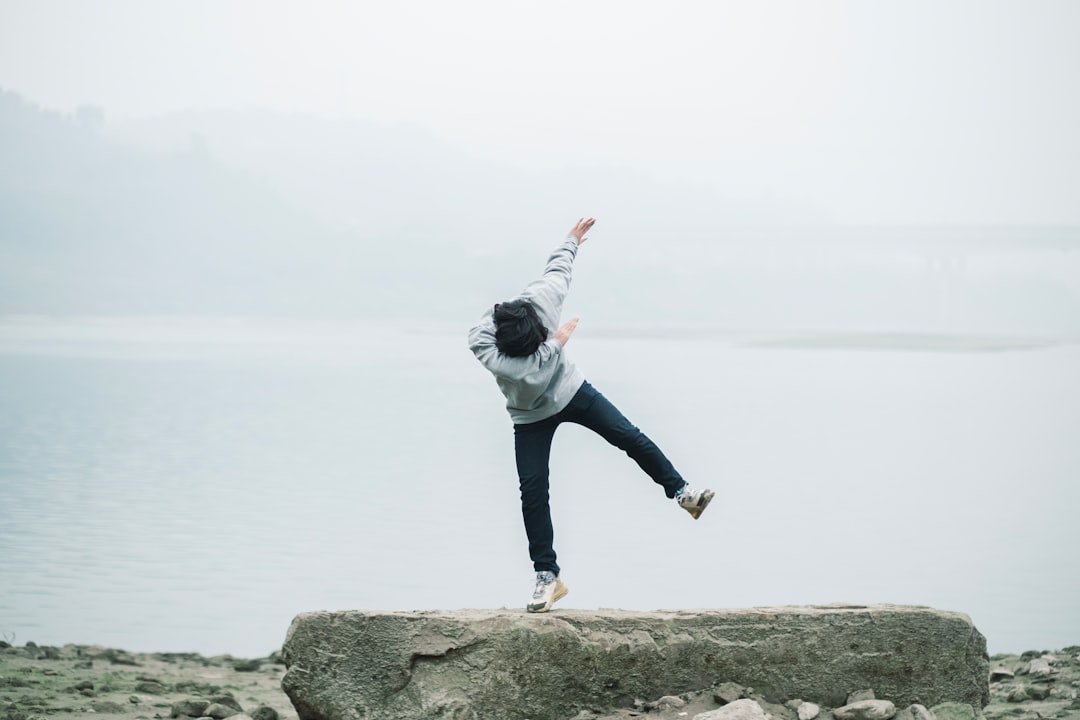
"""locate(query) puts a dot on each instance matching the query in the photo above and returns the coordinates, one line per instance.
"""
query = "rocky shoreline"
(80, 681)
(1034, 685)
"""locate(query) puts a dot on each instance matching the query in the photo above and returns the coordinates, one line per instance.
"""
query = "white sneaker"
(694, 501)
(549, 588)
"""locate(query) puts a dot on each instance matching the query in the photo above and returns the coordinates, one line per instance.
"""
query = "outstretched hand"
(563, 333)
(583, 226)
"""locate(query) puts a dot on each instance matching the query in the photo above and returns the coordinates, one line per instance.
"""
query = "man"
(544, 389)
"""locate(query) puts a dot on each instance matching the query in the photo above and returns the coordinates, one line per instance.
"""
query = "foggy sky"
(873, 112)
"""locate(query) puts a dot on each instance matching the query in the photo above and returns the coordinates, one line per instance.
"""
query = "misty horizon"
(262, 213)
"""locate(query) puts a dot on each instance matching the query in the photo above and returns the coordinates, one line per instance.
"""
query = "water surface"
(191, 485)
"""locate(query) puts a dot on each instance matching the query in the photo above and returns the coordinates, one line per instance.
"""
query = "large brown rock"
(509, 665)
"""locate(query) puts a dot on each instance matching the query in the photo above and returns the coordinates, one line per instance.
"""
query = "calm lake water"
(191, 485)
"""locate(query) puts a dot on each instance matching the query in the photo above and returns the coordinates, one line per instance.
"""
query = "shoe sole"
(706, 498)
(560, 593)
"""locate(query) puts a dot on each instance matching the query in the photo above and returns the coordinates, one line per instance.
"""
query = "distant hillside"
(262, 213)
(89, 226)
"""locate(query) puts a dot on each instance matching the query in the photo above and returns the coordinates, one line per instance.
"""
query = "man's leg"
(532, 450)
(603, 418)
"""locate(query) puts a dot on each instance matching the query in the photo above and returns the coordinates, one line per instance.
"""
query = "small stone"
(107, 706)
(227, 700)
(1016, 695)
(776, 712)
(83, 685)
(728, 692)
(134, 699)
(119, 657)
(919, 712)
(189, 708)
(83, 665)
(150, 688)
(264, 712)
(247, 665)
(744, 709)
(669, 702)
(87, 692)
(1001, 673)
(219, 711)
(859, 695)
(808, 711)
(1039, 666)
(1037, 692)
(953, 711)
(866, 710)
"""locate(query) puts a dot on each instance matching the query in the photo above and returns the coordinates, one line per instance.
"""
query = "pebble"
(189, 708)
(219, 711)
(668, 702)
(1001, 673)
(1039, 666)
(953, 711)
(919, 712)
(744, 709)
(865, 710)
(728, 692)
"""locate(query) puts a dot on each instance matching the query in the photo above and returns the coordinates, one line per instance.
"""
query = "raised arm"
(548, 293)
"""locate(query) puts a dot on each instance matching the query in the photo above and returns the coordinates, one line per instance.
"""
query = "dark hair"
(518, 330)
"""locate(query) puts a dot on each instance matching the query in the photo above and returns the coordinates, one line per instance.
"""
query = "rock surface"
(508, 665)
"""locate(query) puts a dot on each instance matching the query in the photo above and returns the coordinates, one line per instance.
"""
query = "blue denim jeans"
(532, 448)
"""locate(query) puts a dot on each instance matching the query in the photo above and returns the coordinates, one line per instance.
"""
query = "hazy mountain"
(255, 212)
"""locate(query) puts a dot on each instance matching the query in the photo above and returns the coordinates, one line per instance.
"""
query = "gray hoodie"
(540, 385)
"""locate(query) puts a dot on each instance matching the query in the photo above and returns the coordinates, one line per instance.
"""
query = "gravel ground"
(87, 681)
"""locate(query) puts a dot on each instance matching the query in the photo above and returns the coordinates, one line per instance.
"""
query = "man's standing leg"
(532, 450)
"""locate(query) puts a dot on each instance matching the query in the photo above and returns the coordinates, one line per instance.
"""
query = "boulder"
(498, 664)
